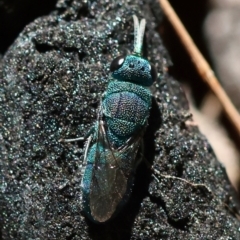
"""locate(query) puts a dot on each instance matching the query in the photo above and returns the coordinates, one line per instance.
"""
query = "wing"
(111, 174)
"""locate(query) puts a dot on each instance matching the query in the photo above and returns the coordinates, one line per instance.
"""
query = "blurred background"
(215, 28)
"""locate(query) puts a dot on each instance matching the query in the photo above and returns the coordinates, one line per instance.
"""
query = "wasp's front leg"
(90, 132)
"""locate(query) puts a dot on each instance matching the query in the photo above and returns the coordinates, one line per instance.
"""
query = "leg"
(85, 159)
(79, 138)
(73, 139)
(87, 148)
(141, 156)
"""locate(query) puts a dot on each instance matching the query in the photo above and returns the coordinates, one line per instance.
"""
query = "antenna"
(139, 30)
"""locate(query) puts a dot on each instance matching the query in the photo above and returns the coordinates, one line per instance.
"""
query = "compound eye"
(117, 63)
(153, 73)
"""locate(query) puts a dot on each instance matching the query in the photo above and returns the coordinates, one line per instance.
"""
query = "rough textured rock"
(51, 80)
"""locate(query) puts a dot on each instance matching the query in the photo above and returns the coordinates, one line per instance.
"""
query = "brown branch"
(201, 64)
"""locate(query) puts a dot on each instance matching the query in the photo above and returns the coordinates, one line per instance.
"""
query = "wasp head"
(135, 69)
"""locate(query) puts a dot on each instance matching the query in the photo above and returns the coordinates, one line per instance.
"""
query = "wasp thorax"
(133, 69)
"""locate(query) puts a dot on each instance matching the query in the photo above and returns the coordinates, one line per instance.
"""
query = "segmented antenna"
(138, 35)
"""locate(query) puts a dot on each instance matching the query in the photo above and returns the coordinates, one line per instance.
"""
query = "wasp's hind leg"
(140, 155)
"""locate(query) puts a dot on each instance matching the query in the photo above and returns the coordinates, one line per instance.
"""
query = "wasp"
(113, 145)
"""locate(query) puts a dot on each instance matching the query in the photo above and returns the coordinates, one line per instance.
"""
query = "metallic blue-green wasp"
(111, 154)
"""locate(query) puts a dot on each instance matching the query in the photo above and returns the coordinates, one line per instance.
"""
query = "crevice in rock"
(43, 48)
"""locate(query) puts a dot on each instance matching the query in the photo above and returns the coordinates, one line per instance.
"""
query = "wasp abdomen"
(92, 199)
(126, 108)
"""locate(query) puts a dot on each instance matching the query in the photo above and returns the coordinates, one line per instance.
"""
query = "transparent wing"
(111, 171)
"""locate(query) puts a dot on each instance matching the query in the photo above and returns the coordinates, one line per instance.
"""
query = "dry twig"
(202, 65)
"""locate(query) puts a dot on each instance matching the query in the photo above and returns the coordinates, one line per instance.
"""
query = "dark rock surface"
(51, 80)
